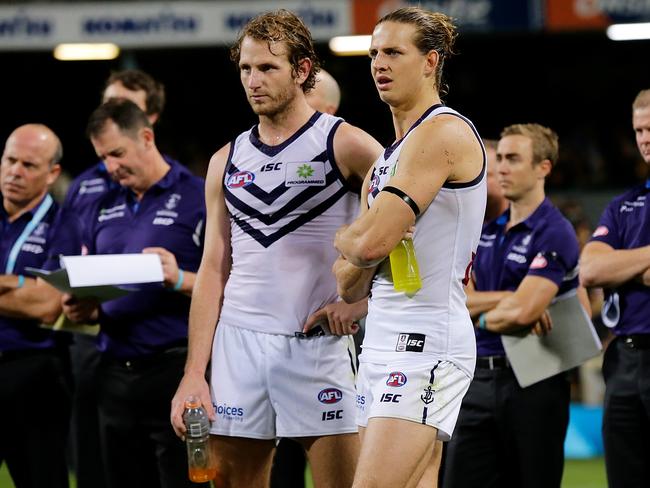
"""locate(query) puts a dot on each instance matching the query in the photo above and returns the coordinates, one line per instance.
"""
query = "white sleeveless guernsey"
(286, 202)
(435, 322)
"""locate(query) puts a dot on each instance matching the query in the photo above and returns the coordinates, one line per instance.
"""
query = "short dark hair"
(434, 31)
(126, 115)
(135, 79)
(282, 26)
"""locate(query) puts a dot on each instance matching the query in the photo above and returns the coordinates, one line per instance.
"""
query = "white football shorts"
(427, 391)
(266, 386)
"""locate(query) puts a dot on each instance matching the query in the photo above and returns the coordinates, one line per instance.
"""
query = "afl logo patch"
(396, 379)
(330, 395)
(240, 179)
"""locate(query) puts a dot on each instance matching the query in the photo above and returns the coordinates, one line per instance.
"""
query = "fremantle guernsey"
(286, 202)
(435, 322)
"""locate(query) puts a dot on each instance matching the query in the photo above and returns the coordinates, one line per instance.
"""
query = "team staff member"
(618, 259)
(34, 396)
(276, 196)
(513, 436)
(84, 191)
(146, 93)
(418, 352)
(159, 207)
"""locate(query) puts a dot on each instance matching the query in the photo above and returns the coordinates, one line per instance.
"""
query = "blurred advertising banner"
(470, 15)
(594, 14)
(156, 24)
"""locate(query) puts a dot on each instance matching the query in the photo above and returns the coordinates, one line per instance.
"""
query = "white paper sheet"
(98, 276)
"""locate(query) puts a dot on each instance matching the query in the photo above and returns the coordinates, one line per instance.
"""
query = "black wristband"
(409, 201)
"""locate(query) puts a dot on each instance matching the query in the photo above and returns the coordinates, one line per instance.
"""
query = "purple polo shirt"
(625, 224)
(171, 214)
(544, 244)
(53, 236)
(86, 189)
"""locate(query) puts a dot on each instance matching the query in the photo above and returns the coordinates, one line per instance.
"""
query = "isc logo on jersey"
(240, 179)
(330, 395)
(396, 379)
(410, 342)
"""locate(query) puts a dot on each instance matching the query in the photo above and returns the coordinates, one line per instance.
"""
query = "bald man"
(34, 397)
(326, 94)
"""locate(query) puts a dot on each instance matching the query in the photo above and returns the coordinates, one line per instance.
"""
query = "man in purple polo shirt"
(508, 436)
(146, 93)
(160, 208)
(618, 259)
(84, 191)
(34, 396)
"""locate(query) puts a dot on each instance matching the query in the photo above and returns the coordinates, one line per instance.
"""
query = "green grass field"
(589, 473)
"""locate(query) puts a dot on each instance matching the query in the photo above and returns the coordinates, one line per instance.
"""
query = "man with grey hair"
(618, 259)
(34, 398)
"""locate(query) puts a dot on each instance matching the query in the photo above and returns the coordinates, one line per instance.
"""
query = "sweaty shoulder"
(449, 139)
(355, 151)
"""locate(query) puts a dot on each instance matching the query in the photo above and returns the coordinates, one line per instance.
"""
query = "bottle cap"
(192, 401)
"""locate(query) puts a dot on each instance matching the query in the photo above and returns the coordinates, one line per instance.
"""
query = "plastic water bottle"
(199, 458)
(404, 268)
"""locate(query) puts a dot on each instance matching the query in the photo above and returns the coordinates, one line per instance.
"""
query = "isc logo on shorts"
(332, 415)
(410, 342)
(390, 398)
(396, 379)
(330, 395)
(240, 179)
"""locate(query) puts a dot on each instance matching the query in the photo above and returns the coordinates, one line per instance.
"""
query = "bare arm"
(479, 302)
(355, 152)
(584, 300)
(207, 297)
(353, 282)
(175, 278)
(439, 150)
(35, 300)
(342, 318)
(524, 307)
(602, 265)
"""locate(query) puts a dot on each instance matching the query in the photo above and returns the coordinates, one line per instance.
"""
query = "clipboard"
(572, 341)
